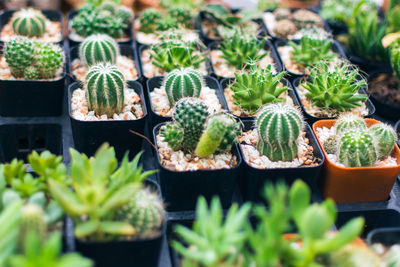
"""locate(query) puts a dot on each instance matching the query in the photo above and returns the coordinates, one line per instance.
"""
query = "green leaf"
(299, 199)
(117, 228)
(85, 229)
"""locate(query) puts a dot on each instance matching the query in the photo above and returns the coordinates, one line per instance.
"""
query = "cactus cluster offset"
(184, 82)
(29, 22)
(19, 54)
(49, 58)
(173, 134)
(99, 48)
(349, 121)
(31, 73)
(385, 137)
(32, 220)
(105, 87)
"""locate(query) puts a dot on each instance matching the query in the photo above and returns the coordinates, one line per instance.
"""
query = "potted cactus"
(196, 151)
(101, 48)
(32, 78)
(44, 26)
(104, 109)
(332, 89)
(362, 158)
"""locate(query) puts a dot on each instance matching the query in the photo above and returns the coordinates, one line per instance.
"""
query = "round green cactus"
(181, 15)
(109, 6)
(357, 149)
(278, 151)
(349, 121)
(32, 220)
(148, 20)
(19, 54)
(184, 82)
(395, 58)
(165, 24)
(29, 22)
(386, 138)
(49, 58)
(31, 73)
(173, 134)
(105, 88)
(99, 48)
(125, 13)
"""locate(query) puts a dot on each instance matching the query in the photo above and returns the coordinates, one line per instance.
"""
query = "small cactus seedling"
(357, 149)
(184, 82)
(385, 137)
(330, 145)
(32, 220)
(181, 15)
(173, 134)
(19, 54)
(29, 22)
(148, 20)
(31, 73)
(98, 48)
(49, 58)
(349, 121)
(105, 85)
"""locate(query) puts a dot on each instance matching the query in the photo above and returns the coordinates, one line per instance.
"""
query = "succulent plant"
(145, 212)
(125, 13)
(330, 145)
(28, 22)
(166, 24)
(98, 48)
(19, 54)
(279, 127)
(31, 73)
(349, 121)
(149, 19)
(284, 28)
(282, 13)
(257, 87)
(385, 137)
(49, 59)
(183, 82)
(32, 220)
(173, 134)
(354, 255)
(105, 89)
(335, 86)
(357, 149)
(109, 6)
(395, 58)
(181, 15)
(189, 4)
(304, 18)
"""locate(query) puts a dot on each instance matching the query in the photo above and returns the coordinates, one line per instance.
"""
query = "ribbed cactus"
(221, 129)
(385, 136)
(49, 58)
(99, 48)
(28, 22)
(184, 82)
(31, 73)
(32, 220)
(125, 13)
(357, 149)
(145, 212)
(181, 15)
(278, 128)
(173, 134)
(105, 85)
(19, 54)
(148, 20)
(395, 58)
(349, 121)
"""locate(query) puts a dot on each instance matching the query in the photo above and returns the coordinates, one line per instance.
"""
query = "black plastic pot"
(125, 50)
(53, 15)
(337, 27)
(90, 135)
(268, 47)
(73, 13)
(385, 236)
(181, 190)
(253, 180)
(366, 65)
(156, 82)
(311, 118)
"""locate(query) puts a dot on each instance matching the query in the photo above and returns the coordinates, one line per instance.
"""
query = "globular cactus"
(125, 13)
(148, 20)
(49, 58)
(165, 24)
(105, 86)
(285, 28)
(181, 15)
(31, 73)
(385, 136)
(29, 22)
(395, 58)
(145, 212)
(32, 220)
(19, 54)
(349, 121)
(183, 82)
(354, 255)
(278, 151)
(304, 18)
(99, 48)
(109, 6)
(173, 134)
(330, 144)
(282, 13)
(357, 149)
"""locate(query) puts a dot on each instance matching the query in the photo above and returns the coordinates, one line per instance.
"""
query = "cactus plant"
(184, 82)
(125, 13)
(173, 134)
(148, 20)
(32, 220)
(28, 22)
(19, 54)
(258, 87)
(282, 13)
(31, 73)
(330, 145)
(181, 15)
(349, 121)
(304, 18)
(357, 149)
(98, 48)
(109, 6)
(395, 58)
(145, 212)
(49, 58)
(284, 28)
(385, 137)
(105, 86)
(165, 24)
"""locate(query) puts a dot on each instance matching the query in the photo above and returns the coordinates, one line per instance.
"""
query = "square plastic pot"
(253, 179)
(180, 190)
(357, 184)
(90, 135)
(386, 236)
(156, 82)
(311, 119)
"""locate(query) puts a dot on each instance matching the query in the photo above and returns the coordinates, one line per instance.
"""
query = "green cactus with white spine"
(165, 24)
(395, 58)
(105, 88)
(19, 54)
(349, 121)
(385, 136)
(148, 20)
(109, 6)
(173, 134)
(278, 127)
(181, 15)
(49, 59)
(357, 149)
(31, 73)
(183, 82)
(32, 220)
(98, 48)
(125, 13)
(145, 212)
(28, 22)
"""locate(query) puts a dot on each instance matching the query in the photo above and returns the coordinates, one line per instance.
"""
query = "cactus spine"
(184, 82)
(99, 48)
(105, 85)
(148, 20)
(19, 54)
(349, 121)
(181, 15)
(32, 220)
(31, 73)
(49, 58)
(385, 137)
(29, 22)
(173, 135)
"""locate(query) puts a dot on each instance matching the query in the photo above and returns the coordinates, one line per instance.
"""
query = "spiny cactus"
(29, 22)
(256, 88)
(105, 86)
(148, 20)
(32, 220)
(173, 134)
(331, 144)
(354, 255)
(49, 58)
(31, 73)
(19, 54)
(184, 82)
(395, 58)
(165, 24)
(145, 212)
(125, 13)
(284, 28)
(109, 6)
(181, 15)
(385, 137)
(282, 13)
(278, 128)
(99, 48)
(349, 121)
(357, 149)
(304, 18)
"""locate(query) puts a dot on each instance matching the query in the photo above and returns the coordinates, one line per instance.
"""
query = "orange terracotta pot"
(299, 3)
(358, 184)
